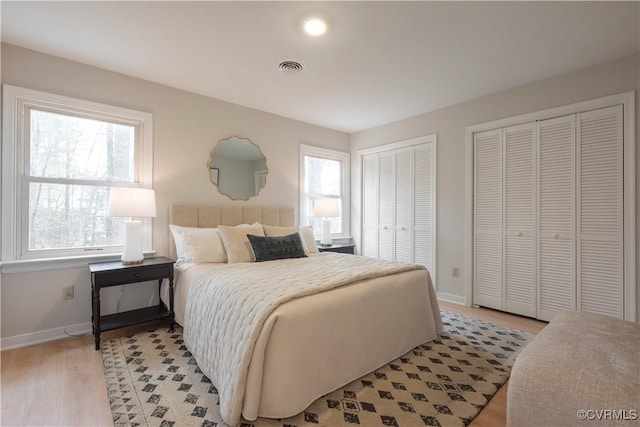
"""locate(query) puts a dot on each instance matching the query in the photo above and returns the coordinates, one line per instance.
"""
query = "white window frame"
(344, 159)
(15, 157)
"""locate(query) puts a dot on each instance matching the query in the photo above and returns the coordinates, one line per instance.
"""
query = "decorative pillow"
(306, 235)
(198, 245)
(310, 241)
(277, 247)
(236, 242)
(277, 231)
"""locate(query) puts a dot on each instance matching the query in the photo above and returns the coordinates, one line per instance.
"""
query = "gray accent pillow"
(277, 247)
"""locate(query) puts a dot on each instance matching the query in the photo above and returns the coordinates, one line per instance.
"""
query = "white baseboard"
(452, 298)
(25, 340)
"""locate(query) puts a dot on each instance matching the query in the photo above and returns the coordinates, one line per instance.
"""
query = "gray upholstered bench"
(579, 362)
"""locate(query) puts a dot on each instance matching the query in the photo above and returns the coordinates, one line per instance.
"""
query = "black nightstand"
(114, 273)
(340, 248)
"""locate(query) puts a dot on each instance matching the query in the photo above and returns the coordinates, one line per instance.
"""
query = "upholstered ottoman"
(582, 369)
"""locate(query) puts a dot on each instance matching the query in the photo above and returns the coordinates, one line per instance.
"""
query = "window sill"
(46, 264)
(343, 240)
(339, 239)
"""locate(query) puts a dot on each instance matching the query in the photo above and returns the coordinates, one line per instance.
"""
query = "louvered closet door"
(423, 206)
(370, 205)
(600, 219)
(556, 251)
(519, 219)
(403, 204)
(386, 172)
(487, 266)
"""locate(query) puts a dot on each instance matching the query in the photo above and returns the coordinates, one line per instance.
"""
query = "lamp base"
(132, 253)
(326, 233)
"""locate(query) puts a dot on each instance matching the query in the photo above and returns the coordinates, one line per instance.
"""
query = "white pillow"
(309, 240)
(236, 242)
(306, 235)
(198, 245)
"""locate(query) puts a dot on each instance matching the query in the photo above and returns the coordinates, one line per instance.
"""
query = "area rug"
(152, 380)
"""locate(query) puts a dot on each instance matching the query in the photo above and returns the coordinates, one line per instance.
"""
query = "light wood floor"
(61, 383)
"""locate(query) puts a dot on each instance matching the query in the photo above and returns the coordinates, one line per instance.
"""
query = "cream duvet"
(229, 319)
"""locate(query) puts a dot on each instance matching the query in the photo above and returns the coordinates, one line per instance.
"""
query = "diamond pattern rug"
(152, 380)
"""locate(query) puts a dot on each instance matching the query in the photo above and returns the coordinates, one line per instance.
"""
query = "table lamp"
(326, 208)
(132, 203)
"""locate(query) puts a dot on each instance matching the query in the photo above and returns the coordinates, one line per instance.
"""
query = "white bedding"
(289, 355)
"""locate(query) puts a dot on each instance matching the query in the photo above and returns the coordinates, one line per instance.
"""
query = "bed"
(304, 346)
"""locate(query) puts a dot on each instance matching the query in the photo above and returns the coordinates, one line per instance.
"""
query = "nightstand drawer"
(340, 248)
(343, 250)
(137, 275)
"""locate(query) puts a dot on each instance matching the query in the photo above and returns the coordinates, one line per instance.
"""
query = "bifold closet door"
(549, 216)
(423, 205)
(556, 232)
(398, 201)
(520, 219)
(600, 244)
(386, 196)
(370, 205)
(403, 205)
(487, 260)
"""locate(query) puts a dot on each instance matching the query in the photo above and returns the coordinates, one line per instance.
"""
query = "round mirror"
(238, 168)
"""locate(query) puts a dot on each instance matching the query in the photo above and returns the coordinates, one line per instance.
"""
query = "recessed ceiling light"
(315, 26)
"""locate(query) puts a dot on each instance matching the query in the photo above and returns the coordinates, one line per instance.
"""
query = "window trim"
(345, 159)
(14, 161)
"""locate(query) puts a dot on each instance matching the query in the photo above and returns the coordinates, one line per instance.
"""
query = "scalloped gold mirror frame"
(237, 168)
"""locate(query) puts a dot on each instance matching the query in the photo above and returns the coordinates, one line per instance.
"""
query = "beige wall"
(186, 126)
(449, 124)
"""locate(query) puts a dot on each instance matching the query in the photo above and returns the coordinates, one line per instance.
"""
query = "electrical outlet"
(67, 292)
(455, 271)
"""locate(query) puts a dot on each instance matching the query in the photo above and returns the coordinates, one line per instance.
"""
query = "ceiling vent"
(291, 66)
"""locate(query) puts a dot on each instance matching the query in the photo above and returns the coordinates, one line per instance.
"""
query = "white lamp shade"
(327, 208)
(132, 202)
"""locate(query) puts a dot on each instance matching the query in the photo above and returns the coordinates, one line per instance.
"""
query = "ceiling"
(379, 61)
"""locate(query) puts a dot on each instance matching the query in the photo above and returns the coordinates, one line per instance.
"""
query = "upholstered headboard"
(213, 216)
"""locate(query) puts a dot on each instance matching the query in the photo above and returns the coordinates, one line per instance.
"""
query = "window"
(61, 156)
(324, 174)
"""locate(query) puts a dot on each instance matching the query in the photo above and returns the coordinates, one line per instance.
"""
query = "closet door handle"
(519, 233)
(556, 236)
